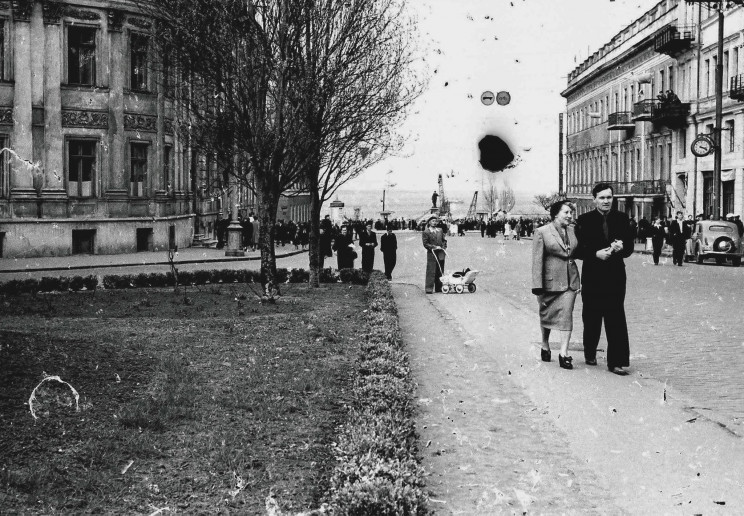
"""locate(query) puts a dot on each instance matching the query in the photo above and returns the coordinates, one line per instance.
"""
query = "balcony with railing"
(736, 88)
(674, 39)
(669, 113)
(622, 120)
(643, 111)
(647, 187)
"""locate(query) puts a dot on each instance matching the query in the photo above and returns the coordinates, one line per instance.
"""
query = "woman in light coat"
(555, 278)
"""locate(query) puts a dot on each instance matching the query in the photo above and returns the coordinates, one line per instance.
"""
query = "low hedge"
(379, 470)
(159, 279)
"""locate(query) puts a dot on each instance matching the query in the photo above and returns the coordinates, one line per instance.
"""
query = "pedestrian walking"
(604, 240)
(679, 232)
(344, 247)
(389, 248)
(555, 279)
(658, 236)
(368, 242)
(435, 243)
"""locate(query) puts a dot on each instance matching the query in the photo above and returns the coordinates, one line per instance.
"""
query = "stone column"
(117, 184)
(53, 139)
(20, 176)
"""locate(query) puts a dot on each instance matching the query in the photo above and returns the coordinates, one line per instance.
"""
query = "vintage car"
(717, 239)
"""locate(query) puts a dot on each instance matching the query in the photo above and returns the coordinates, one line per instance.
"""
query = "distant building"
(636, 105)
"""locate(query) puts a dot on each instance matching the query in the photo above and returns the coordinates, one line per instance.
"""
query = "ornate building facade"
(96, 155)
(635, 106)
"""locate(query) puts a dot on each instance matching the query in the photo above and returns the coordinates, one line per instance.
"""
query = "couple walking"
(601, 239)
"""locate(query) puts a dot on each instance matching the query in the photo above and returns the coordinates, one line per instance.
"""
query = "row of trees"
(288, 93)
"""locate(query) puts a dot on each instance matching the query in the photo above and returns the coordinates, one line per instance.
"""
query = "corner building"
(97, 162)
(635, 106)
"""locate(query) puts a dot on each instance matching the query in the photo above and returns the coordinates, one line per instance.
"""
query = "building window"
(727, 196)
(730, 135)
(139, 46)
(81, 55)
(138, 167)
(168, 185)
(81, 168)
(725, 71)
(682, 144)
(707, 77)
(2, 50)
(708, 193)
(735, 63)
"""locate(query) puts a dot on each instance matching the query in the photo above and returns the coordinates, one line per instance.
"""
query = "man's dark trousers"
(610, 307)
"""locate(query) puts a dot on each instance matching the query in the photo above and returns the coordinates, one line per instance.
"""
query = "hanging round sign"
(503, 98)
(702, 146)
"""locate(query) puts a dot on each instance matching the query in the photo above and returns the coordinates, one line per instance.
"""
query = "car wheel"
(471, 287)
(459, 289)
(445, 289)
(699, 257)
(736, 261)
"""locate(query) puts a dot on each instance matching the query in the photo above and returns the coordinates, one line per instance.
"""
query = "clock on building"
(702, 146)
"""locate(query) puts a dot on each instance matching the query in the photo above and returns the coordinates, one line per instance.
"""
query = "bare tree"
(491, 197)
(357, 84)
(237, 71)
(507, 199)
(545, 200)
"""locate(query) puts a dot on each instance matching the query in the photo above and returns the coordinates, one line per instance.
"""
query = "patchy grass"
(205, 406)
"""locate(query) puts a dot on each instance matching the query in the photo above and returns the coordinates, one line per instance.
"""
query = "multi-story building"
(635, 106)
(97, 156)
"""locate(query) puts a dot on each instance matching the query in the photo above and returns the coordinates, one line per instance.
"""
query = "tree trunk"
(314, 234)
(268, 201)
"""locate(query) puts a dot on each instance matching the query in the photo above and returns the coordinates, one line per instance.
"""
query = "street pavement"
(503, 432)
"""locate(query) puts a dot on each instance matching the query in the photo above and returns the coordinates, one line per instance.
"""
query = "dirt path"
(510, 434)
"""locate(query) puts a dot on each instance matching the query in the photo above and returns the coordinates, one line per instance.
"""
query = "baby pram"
(458, 281)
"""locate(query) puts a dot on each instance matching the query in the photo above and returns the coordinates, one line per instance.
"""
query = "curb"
(142, 264)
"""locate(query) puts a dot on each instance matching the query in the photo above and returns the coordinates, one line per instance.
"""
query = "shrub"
(202, 277)
(282, 275)
(49, 284)
(378, 469)
(90, 282)
(77, 283)
(299, 276)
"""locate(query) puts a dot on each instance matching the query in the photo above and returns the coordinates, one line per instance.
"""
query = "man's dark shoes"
(565, 362)
(591, 361)
(618, 370)
(545, 355)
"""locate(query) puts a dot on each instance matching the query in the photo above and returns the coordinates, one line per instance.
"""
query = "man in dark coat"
(604, 240)
(679, 232)
(368, 242)
(389, 248)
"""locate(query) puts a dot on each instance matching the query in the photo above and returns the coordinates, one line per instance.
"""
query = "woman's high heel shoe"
(545, 355)
(565, 362)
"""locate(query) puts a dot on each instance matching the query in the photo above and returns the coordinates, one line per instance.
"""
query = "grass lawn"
(204, 402)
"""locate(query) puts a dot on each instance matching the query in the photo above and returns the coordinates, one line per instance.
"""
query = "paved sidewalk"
(504, 433)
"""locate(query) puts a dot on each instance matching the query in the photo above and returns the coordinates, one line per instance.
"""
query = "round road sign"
(487, 97)
(503, 98)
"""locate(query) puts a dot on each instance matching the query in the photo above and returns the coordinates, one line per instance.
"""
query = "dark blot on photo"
(495, 154)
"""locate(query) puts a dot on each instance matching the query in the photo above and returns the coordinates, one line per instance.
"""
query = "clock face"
(702, 146)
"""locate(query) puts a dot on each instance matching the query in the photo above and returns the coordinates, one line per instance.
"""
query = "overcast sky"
(525, 47)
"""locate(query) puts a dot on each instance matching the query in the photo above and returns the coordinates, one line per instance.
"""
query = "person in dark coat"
(389, 248)
(679, 232)
(368, 242)
(344, 247)
(604, 240)
(658, 235)
(435, 243)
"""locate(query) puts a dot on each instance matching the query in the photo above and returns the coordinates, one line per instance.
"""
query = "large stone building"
(635, 106)
(97, 155)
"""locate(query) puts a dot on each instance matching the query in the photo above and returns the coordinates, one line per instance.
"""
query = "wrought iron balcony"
(644, 110)
(622, 120)
(673, 39)
(736, 89)
(647, 187)
(671, 114)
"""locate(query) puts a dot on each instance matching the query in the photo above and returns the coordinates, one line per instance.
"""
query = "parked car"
(717, 239)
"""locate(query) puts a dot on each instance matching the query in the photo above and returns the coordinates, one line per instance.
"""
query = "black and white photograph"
(371, 257)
